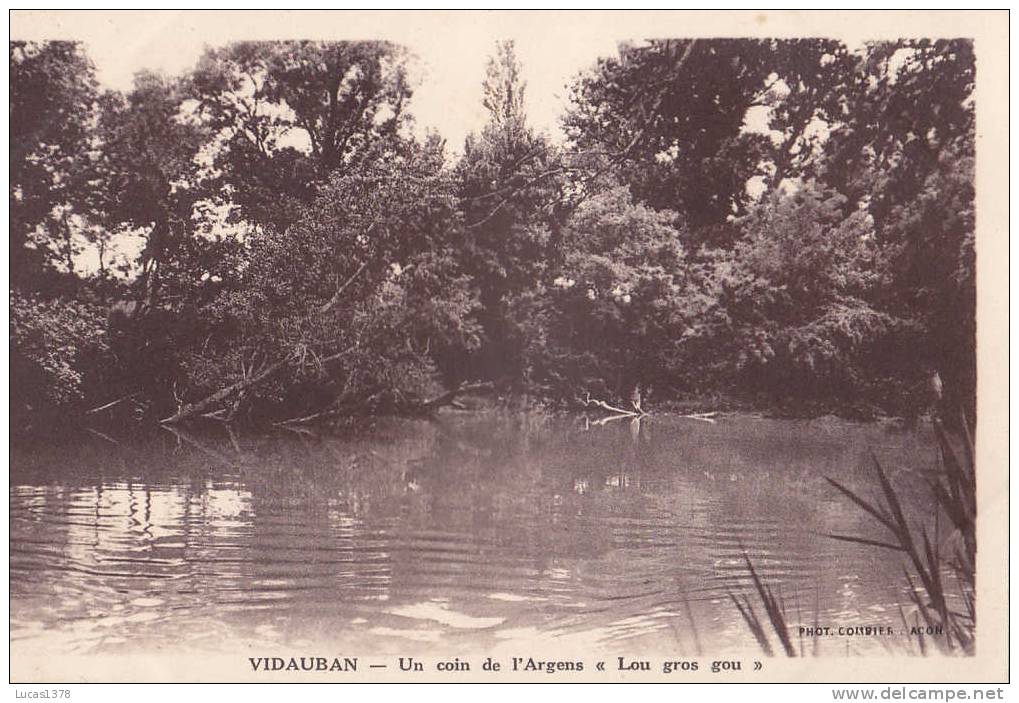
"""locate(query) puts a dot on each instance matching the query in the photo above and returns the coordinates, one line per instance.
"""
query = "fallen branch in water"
(612, 418)
(209, 403)
(200, 407)
(299, 430)
(703, 417)
(218, 415)
(588, 401)
(99, 434)
(118, 401)
(330, 412)
(338, 407)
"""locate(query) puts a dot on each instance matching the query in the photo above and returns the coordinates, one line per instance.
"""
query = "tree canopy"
(786, 222)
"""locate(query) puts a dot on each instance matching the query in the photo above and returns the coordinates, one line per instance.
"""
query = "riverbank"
(125, 417)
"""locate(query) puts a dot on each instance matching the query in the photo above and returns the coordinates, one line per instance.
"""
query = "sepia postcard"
(491, 346)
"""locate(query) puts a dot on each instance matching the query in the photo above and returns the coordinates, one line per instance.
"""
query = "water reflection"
(474, 531)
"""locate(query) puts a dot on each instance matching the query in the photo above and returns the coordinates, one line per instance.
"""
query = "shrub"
(58, 353)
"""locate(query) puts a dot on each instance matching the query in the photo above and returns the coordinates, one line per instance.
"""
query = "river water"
(471, 533)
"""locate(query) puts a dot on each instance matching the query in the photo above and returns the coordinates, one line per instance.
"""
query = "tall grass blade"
(693, 628)
(954, 493)
(754, 623)
(776, 614)
(878, 515)
(868, 542)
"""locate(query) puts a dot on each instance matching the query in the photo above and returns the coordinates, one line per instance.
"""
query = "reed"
(932, 563)
(774, 608)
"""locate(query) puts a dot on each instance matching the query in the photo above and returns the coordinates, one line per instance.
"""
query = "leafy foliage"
(674, 114)
(510, 180)
(287, 114)
(797, 292)
(361, 293)
(52, 101)
(772, 219)
(620, 302)
(147, 172)
(55, 347)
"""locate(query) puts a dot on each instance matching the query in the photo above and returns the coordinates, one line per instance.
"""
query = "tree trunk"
(219, 396)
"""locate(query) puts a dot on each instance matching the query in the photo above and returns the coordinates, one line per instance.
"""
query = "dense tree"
(913, 170)
(885, 147)
(930, 242)
(287, 114)
(769, 219)
(692, 124)
(58, 355)
(798, 295)
(689, 123)
(620, 302)
(52, 102)
(147, 173)
(361, 297)
(510, 181)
